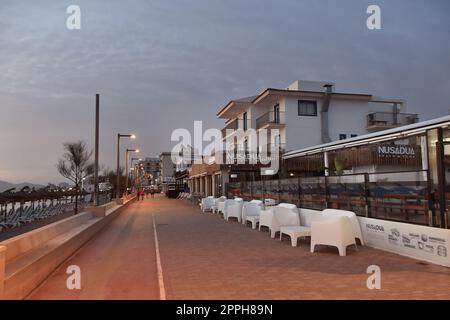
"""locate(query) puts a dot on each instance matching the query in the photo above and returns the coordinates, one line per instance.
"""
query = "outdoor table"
(295, 232)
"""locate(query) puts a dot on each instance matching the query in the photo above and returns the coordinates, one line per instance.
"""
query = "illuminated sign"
(396, 150)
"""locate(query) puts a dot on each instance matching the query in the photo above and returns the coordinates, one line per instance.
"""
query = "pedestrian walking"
(152, 193)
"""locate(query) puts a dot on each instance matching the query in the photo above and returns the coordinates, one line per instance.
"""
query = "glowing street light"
(131, 136)
(126, 167)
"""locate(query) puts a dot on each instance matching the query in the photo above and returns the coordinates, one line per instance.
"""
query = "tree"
(75, 165)
(339, 165)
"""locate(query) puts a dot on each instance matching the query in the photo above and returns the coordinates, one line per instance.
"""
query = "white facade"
(347, 113)
(167, 167)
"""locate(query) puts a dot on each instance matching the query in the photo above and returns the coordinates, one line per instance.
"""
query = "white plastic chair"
(250, 213)
(353, 219)
(215, 207)
(223, 208)
(336, 232)
(265, 218)
(258, 202)
(234, 210)
(207, 204)
(295, 232)
(283, 216)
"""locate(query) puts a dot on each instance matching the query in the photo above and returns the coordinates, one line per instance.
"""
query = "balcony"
(387, 120)
(271, 119)
(232, 125)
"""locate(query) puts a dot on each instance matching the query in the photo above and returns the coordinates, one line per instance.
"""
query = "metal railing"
(270, 118)
(390, 119)
(17, 209)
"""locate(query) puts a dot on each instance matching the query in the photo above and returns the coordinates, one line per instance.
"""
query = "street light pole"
(126, 167)
(131, 136)
(97, 121)
(133, 176)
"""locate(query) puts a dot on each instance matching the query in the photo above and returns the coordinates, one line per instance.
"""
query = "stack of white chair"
(337, 232)
(234, 209)
(207, 203)
(251, 212)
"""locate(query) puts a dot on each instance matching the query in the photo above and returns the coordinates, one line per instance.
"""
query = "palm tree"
(75, 165)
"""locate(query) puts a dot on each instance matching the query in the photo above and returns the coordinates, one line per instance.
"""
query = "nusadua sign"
(396, 151)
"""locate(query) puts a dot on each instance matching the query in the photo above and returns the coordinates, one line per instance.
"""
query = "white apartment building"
(306, 114)
(309, 113)
(167, 169)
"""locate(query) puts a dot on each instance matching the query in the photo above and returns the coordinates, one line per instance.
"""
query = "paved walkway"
(205, 257)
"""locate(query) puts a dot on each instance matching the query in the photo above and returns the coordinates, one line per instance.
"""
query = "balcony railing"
(270, 118)
(233, 125)
(385, 120)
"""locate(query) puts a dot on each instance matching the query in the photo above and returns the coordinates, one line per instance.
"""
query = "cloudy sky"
(160, 65)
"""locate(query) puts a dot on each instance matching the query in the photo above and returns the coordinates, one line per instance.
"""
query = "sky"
(160, 65)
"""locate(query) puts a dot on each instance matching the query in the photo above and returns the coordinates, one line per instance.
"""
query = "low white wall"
(418, 242)
(36, 268)
(414, 241)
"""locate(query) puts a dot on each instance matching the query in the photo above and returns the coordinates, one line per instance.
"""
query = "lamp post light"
(131, 136)
(126, 167)
(133, 176)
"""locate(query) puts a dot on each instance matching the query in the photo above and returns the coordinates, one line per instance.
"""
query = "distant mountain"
(4, 185)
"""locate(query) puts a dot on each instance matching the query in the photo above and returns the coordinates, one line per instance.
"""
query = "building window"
(307, 108)
(353, 135)
(245, 121)
(276, 113)
(342, 136)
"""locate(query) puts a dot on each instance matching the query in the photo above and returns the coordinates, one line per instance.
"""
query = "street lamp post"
(131, 136)
(133, 176)
(126, 167)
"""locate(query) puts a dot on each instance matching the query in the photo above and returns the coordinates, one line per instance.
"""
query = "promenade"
(204, 257)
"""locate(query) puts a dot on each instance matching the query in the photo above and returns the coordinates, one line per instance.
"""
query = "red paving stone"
(118, 263)
(205, 257)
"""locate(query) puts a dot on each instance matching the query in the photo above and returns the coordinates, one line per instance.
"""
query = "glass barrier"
(313, 193)
(401, 196)
(398, 196)
(289, 191)
(347, 193)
